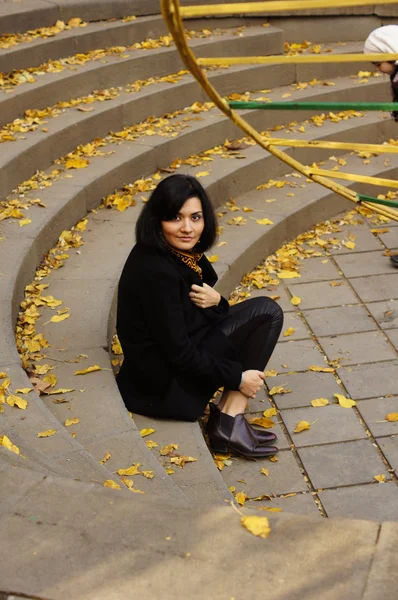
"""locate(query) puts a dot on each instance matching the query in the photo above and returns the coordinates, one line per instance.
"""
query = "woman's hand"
(252, 382)
(205, 296)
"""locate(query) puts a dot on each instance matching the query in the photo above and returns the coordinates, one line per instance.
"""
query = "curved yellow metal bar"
(391, 183)
(295, 59)
(172, 14)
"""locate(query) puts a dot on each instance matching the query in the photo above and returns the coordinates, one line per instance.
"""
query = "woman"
(385, 39)
(181, 339)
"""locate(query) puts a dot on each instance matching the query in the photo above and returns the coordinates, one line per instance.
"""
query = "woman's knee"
(268, 307)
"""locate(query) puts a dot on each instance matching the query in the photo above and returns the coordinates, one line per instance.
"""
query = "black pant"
(253, 327)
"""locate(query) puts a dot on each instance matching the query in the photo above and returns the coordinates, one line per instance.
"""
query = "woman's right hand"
(252, 383)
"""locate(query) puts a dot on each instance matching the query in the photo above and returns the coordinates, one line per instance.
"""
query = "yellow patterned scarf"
(190, 259)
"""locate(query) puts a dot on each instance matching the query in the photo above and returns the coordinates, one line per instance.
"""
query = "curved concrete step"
(49, 88)
(100, 34)
(32, 14)
(72, 127)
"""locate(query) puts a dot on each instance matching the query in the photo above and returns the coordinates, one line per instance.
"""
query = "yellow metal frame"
(173, 14)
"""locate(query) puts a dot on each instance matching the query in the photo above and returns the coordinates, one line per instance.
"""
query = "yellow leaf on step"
(48, 433)
(51, 379)
(106, 458)
(59, 318)
(262, 422)
(6, 442)
(285, 274)
(271, 508)
(17, 401)
(24, 222)
(392, 417)
(295, 300)
(320, 402)
(349, 244)
(167, 450)
(271, 373)
(3, 375)
(279, 389)
(133, 470)
(345, 402)
(203, 174)
(88, 370)
(289, 331)
(23, 390)
(77, 163)
(302, 426)
(109, 483)
(181, 460)
(270, 412)
(379, 478)
(241, 498)
(130, 484)
(60, 391)
(264, 221)
(213, 258)
(145, 432)
(148, 474)
(151, 444)
(258, 526)
(321, 369)
(73, 421)
(265, 472)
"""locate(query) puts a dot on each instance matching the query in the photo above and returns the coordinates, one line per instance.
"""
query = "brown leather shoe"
(263, 437)
(233, 434)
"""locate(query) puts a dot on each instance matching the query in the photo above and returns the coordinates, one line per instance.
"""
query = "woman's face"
(184, 231)
(385, 67)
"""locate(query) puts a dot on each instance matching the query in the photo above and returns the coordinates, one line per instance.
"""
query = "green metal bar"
(377, 201)
(389, 106)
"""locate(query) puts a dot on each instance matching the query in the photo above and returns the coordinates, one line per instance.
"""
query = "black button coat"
(175, 356)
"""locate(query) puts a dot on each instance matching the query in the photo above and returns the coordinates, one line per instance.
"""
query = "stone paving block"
(374, 413)
(377, 501)
(389, 447)
(390, 239)
(300, 504)
(318, 269)
(323, 294)
(385, 313)
(283, 300)
(305, 387)
(341, 464)
(301, 331)
(392, 334)
(363, 264)
(330, 423)
(376, 287)
(370, 380)
(345, 319)
(355, 348)
(285, 476)
(295, 355)
(364, 240)
(383, 575)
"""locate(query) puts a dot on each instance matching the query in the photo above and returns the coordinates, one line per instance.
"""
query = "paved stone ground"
(329, 469)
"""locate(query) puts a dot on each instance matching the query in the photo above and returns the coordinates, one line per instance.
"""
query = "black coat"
(175, 356)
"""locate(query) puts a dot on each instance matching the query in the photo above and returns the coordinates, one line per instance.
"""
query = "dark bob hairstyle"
(165, 203)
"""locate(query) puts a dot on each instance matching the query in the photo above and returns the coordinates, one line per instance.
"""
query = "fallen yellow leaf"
(271, 373)
(319, 402)
(73, 421)
(392, 417)
(302, 426)
(265, 472)
(321, 369)
(181, 460)
(285, 274)
(264, 221)
(60, 391)
(262, 421)
(279, 389)
(169, 471)
(271, 508)
(48, 433)
(109, 483)
(3, 375)
(241, 498)
(203, 174)
(345, 402)
(295, 300)
(379, 478)
(213, 258)
(258, 526)
(133, 470)
(17, 401)
(151, 444)
(270, 412)
(349, 244)
(6, 442)
(77, 163)
(59, 318)
(24, 222)
(166, 450)
(130, 484)
(106, 458)
(145, 432)
(289, 331)
(148, 474)
(23, 390)
(88, 370)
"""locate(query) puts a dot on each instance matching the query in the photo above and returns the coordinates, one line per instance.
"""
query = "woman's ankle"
(234, 404)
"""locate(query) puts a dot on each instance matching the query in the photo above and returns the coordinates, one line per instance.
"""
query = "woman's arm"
(164, 315)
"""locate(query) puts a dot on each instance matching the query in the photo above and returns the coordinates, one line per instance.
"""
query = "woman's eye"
(196, 217)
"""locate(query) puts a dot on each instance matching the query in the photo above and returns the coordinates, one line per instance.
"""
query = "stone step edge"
(50, 88)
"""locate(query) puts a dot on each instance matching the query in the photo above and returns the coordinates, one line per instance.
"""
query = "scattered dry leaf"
(302, 426)
(88, 370)
(344, 402)
(320, 402)
(258, 526)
